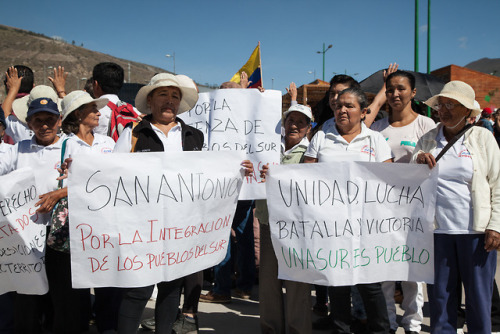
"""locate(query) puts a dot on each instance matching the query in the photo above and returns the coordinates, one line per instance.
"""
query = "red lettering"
(137, 237)
(178, 231)
(84, 237)
(151, 234)
(33, 215)
(105, 238)
(120, 240)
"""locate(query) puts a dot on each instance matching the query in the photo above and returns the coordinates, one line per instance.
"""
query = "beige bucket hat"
(459, 91)
(20, 106)
(78, 98)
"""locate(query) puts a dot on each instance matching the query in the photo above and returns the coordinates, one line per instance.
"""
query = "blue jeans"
(245, 253)
(464, 255)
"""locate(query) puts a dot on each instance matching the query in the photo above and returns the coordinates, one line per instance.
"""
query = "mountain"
(41, 53)
(486, 65)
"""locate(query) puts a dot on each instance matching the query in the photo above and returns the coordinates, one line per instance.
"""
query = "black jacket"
(148, 141)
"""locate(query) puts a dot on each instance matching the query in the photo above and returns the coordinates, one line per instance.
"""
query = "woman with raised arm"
(402, 129)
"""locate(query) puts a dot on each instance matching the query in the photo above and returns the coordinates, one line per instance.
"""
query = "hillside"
(40, 52)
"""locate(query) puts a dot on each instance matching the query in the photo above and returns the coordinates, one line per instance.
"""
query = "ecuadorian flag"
(252, 68)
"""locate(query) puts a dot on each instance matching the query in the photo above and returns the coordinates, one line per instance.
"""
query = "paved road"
(242, 316)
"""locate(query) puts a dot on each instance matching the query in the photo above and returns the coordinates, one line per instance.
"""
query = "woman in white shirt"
(348, 138)
(402, 129)
(80, 116)
(467, 210)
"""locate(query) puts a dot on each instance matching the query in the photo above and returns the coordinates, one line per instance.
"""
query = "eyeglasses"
(448, 106)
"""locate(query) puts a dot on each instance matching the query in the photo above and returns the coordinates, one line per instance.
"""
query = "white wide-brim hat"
(185, 84)
(458, 91)
(78, 98)
(20, 106)
(299, 108)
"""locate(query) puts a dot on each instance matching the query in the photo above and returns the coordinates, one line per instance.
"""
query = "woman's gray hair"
(360, 96)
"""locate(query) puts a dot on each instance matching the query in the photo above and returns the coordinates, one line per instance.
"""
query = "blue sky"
(213, 39)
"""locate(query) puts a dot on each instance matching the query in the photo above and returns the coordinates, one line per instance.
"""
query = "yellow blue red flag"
(252, 68)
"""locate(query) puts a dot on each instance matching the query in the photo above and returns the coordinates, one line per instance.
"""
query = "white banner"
(243, 120)
(22, 237)
(141, 218)
(346, 223)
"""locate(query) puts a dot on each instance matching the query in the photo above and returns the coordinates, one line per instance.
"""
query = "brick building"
(308, 94)
(485, 85)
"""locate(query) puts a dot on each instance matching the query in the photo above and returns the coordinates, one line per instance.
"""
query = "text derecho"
(22, 235)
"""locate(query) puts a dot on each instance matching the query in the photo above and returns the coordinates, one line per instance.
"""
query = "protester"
(80, 116)
(347, 136)
(486, 119)
(108, 80)
(402, 129)
(467, 210)
(42, 151)
(161, 130)
(277, 313)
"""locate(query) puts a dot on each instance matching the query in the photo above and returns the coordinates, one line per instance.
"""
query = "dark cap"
(42, 104)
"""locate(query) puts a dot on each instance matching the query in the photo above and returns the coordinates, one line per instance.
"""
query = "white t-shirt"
(170, 144)
(454, 213)
(328, 145)
(105, 111)
(403, 139)
(17, 130)
(101, 144)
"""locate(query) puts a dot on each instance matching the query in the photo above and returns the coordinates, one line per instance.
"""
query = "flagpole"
(260, 61)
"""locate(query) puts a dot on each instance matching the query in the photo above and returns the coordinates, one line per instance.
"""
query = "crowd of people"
(43, 127)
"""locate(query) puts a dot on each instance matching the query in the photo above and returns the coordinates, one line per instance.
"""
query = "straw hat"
(78, 98)
(459, 91)
(20, 106)
(184, 83)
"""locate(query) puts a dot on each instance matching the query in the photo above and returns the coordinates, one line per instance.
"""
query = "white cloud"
(463, 42)
(423, 28)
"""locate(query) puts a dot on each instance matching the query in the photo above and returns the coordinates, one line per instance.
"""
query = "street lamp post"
(173, 57)
(323, 52)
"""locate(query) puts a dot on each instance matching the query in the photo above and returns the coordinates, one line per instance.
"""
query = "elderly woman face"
(296, 126)
(164, 103)
(89, 115)
(451, 112)
(45, 125)
(348, 113)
